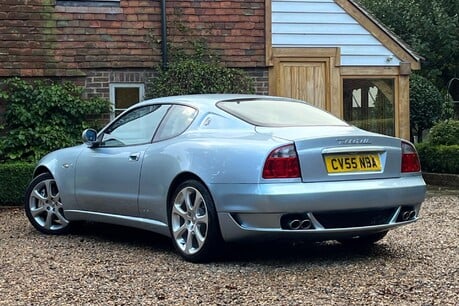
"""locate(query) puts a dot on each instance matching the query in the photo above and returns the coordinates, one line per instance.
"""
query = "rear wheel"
(193, 222)
(364, 240)
(43, 206)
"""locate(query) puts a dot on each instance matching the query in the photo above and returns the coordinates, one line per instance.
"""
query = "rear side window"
(177, 120)
(278, 113)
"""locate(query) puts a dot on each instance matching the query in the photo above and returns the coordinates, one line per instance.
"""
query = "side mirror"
(90, 137)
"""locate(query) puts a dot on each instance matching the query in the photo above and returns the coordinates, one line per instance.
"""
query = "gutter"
(163, 34)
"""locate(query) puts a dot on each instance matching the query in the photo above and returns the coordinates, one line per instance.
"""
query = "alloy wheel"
(189, 220)
(44, 207)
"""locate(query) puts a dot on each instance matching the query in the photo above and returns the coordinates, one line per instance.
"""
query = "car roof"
(207, 100)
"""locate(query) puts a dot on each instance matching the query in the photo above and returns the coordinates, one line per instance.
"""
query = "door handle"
(134, 156)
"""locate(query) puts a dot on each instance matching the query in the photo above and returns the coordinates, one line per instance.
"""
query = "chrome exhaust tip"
(297, 224)
(294, 224)
(408, 215)
(305, 224)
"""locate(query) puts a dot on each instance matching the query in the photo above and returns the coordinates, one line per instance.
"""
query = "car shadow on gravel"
(274, 253)
(266, 253)
(122, 235)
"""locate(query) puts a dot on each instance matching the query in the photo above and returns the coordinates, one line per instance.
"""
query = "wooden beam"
(268, 34)
(369, 71)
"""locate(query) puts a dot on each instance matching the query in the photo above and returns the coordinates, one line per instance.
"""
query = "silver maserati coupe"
(209, 169)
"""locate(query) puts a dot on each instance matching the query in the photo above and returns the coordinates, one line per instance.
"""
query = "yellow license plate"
(338, 163)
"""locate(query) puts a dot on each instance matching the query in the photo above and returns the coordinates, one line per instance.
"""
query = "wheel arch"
(180, 178)
(214, 235)
(40, 170)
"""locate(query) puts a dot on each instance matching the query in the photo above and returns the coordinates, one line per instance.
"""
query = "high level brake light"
(282, 163)
(410, 158)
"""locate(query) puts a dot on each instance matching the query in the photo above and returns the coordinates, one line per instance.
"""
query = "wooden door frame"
(329, 56)
(336, 74)
(400, 75)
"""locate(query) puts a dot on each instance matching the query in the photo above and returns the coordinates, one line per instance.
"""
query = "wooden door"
(306, 81)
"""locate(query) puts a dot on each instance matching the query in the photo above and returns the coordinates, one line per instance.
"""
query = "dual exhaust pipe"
(408, 215)
(296, 222)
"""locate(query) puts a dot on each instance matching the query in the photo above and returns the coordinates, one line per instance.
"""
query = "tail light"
(410, 159)
(282, 163)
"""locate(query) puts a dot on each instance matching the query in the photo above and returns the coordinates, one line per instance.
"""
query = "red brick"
(46, 41)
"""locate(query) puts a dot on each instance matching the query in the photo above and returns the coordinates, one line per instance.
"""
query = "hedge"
(439, 158)
(14, 178)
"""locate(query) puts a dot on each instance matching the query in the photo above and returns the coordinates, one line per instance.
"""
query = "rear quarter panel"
(214, 157)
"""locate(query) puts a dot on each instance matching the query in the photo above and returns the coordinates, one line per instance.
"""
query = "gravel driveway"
(108, 265)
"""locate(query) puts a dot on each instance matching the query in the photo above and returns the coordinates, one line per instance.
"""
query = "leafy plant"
(439, 158)
(193, 76)
(17, 175)
(427, 105)
(42, 116)
(445, 133)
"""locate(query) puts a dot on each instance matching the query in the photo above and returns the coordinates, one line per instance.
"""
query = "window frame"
(95, 3)
(109, 128)
(396, 96)
(112, 95)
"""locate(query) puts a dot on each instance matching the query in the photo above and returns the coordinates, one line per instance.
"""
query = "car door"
(107, 175)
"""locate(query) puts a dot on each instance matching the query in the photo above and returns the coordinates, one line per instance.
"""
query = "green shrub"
(427, 105)
(195, 76)
(43, 116)
(14, 178)
(445, 133)
(439, 158)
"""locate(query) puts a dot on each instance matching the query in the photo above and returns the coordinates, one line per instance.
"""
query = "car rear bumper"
(250, 211)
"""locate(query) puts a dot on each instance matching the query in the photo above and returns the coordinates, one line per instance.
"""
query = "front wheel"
(43, 206)
(193, 222)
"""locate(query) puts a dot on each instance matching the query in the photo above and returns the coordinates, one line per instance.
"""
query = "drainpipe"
(163, 34)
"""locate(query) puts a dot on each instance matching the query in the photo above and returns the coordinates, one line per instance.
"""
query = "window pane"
(89, 3)
(369, 104)
(126, 96)
(135, 127)
(176, 122)
(278, 113)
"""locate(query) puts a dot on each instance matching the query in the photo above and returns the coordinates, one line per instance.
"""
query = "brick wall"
(40, 38)
(234, 29)
(97, 82)
(260, 77)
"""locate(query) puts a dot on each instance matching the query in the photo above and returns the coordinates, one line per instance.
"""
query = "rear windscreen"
(265, 112)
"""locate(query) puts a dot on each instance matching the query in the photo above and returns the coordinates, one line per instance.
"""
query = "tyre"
(193, 222)
(364, 240)
(43, 206)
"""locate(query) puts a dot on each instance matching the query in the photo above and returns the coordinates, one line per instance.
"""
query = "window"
(135, 127)
(99, 3)
(122, 96)
(178, 119)
(369, 104)
(263, 112)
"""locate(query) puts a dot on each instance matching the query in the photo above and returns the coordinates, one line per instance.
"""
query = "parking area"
(109, 265)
